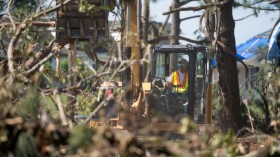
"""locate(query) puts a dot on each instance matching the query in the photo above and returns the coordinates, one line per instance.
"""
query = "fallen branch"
(77, 87)
(11, 46)
(61, 110)
(97, 109)
(35, 67)
(19, 31)
(164, 25)
(39, 55)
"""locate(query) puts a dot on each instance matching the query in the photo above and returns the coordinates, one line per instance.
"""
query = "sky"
(244, 30)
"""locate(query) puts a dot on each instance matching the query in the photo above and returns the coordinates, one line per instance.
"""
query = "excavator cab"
(167, 105)
(157, 106)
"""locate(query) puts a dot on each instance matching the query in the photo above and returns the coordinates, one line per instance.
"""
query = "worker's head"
(183, 65)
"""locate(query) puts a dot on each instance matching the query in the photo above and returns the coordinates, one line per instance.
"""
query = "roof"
(248, 49)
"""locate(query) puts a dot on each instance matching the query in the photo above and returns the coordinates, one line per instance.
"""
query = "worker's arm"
(168, 83)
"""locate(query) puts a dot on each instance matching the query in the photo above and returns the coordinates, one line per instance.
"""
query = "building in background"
(253, 53)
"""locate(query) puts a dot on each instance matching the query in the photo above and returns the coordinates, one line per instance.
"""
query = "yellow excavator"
(161, 108)
(148, 102)
(145, 103)
(156, 106)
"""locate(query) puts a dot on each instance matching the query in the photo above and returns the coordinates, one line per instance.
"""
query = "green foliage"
(31, 102)
(64, 64)
(24, 8)
(262, 98)
(86, 104)
(275, 149)
(83, 71)
(187, 126)
(48, 78)
(43, 135)
(274, 99)
(215, 141)
(92, 9)
(105, 7)
(2, 5)
(48, 104)
(26, 146)
(81, 137)
(216, 102)
(257, 113)
(26, 4)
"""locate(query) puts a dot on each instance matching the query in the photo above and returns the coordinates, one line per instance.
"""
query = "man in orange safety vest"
(178, 80)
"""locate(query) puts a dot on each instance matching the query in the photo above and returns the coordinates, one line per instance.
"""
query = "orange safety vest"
(180, 88)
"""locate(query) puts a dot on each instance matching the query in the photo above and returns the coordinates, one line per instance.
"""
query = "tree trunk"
(175, 31)
(228, 75)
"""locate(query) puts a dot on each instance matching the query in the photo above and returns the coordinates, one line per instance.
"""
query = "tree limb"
(216, 41)
(12, 46)
(9, 15)
(19, 31)
(198, 8)
(51, 9)
(92, 55)
(250, 6)
(156, 40)
(61, 110)
(183, 3)
(240, 19)
(97, 109)
(191, 17)
(164, 25)
(35, 67)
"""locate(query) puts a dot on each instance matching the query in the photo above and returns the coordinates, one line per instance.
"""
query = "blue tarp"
(248, 49)
(213, 63)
